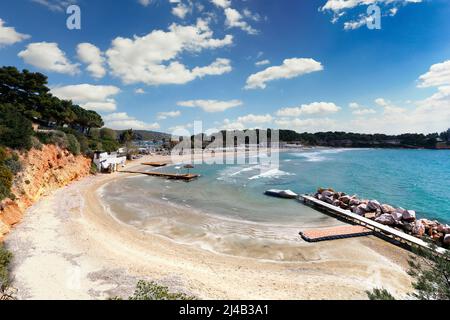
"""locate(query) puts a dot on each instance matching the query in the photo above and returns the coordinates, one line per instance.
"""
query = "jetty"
(334, 233)
(173, 176)
(376, 227)
(155, 164)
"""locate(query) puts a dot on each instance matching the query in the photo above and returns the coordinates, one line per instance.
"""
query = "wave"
(320, 155)
(272, 173)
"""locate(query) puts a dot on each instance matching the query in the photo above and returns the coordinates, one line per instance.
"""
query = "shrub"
(35, 143)
(73, 145)
(6, 180)
(55, 137)
(15, 130)
(379, 294)
(94, 169)
(152, 291)
(5, 259)
(14, 164)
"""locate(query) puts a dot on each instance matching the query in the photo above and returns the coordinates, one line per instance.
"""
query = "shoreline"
(81, 252)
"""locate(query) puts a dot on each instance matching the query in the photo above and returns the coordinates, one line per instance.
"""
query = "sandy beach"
(69, 247)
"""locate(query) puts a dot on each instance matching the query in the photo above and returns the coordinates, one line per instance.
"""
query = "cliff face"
(43, 172)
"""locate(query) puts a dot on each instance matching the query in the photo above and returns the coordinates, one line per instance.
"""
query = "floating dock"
(174, 176)
(369, 224)
(334, 233)
(155, 164)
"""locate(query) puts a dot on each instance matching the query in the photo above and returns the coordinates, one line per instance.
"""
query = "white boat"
(285, 194)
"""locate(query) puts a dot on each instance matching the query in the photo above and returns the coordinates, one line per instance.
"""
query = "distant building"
(109, 162)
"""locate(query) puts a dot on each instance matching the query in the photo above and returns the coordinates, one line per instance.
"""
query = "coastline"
(81, 252)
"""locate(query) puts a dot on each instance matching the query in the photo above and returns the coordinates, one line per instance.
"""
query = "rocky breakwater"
(399, 218)
(43, 171)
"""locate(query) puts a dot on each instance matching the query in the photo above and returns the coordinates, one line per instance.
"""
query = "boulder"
(336, 203)
(397, 216)
(327, 193)
(354, 202)
(409, 215)
(408, 226)
(386, 219)
(446, 239)
(361, 209)
(374, 205)
(445, 229)
(345, 199)
(370, 215)
(329, 200)
(418, 229)
(387, 208)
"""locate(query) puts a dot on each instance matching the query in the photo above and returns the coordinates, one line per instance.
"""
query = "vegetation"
(431, 273)
(379, 294)
(8, 164)
(15, 129)
(153, 291)
(5, 259)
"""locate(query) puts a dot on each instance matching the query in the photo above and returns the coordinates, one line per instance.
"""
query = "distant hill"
(145, 135)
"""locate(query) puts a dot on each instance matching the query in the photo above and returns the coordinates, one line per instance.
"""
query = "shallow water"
(225, 210)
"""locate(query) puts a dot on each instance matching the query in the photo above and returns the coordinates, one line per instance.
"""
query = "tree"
(379, 294)
(15, 130)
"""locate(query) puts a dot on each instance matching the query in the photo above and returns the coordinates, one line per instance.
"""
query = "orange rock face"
(43, 172)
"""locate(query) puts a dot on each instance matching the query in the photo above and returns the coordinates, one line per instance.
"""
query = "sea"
(226, 211)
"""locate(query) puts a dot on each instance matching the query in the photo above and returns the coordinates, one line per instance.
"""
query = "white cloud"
(255, 119)
(168, 114)
(222, 3)
(235, 20)
(91, 97)
(211, 105)
(262, 63)
(359, 110)
(182, 9)
(139, 91)
(438, 75)
(145, 3)
(307, 125)
(345, 8)
(389, 107)
(56, 5)
(9, 35)
(309, 109)
(93, 57)
(151, 59)
(290, 68)
(49, 57)
(122, 121)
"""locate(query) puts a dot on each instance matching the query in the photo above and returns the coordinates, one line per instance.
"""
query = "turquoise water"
(226, 211)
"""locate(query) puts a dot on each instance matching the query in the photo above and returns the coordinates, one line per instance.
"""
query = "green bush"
(14, 164)
(379, 294)
(5, 259)
(35, 143)
(15, 130)
(6, 180)
(55, 137)
(152, 291)
(73, 145)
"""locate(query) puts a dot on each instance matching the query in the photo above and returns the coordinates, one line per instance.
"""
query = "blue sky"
(163, 64)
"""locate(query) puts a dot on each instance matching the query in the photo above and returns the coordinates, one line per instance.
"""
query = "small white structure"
(109, 162)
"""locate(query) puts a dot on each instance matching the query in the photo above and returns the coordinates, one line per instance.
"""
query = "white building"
(109, 162)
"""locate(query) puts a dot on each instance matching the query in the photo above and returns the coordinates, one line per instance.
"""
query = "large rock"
(385, 208)
(329, 200)
(446, 239)
(409, 215)
(327, 193)
(397, 216)
(345, 199)
(361, 209)
(354, 202)
(386, 219)
(419, 228)
(445, 229)
(374, 205)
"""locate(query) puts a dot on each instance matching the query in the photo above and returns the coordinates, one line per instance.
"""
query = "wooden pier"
(334, 233)
(172, 176)
(376, 227)
(155, 164)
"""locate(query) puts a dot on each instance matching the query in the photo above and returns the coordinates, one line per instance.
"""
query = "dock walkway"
(334, 233)
(174, 176)
(372, 225)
